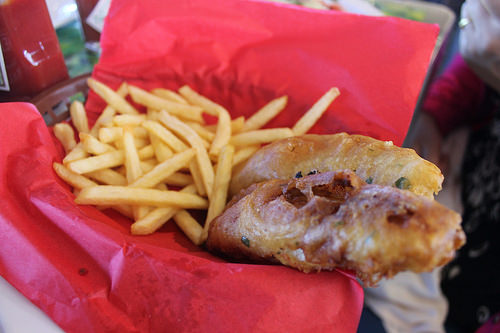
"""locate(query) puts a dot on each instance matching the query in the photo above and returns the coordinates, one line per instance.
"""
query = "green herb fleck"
(245, 241)
(312, 172)
(369, 180)
(298, 174)
(403, 183)
(339, 223)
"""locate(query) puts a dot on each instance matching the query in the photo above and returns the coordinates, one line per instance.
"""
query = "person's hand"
(426, 139)
(479, 40)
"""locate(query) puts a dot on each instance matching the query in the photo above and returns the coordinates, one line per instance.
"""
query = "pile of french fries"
(155, 166)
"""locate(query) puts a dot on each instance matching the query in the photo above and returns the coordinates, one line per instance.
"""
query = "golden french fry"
(132, 167)
(223, 132)
(165, 135)
(236, 125)
(161, 186)
(152, 114)
(161, 150)
(79, 117)
(141, 211)
(94, 146)
(129, 119)
(304, 124)
(77, 153)
(106, 118)
(160, 172)
(121, 170)
(153, 220)
(110, 134)
(148, 165)
(118, 195)
(107, 121)
(244, 153)
(108, 112)
(132, 161)
(66, 136)
(265, 114)
(146, 152)
(202, 131)
(189, 226)
(194, 168)
(73, 179)
(107, 177)
(260, 136)
(177, 126)
(221, 184)
(157, 217)
(196, 99)
(103, 161)
(125, 210)
(140, 132)
(179, 179)
(111, 97)
(169, 94)
(139, 143)
(149, 100)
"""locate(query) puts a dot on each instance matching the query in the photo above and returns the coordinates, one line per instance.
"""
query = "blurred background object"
(62, 12)
(79, 42)
(31, 58)
(85, 7)
(45, 42)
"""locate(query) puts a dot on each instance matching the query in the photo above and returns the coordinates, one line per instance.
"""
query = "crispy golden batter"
(336, 220)
(373, 160)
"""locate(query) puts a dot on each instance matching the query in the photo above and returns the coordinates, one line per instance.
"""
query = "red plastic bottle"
(31, 58)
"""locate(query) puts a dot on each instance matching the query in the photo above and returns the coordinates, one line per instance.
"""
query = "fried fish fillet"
(377, 162)
(335, 220)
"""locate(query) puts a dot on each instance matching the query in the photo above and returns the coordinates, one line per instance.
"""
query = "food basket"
(82, 267)
(54, 102)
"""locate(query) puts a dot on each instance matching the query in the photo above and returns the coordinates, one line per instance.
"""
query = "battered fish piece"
(335, 220)
(377, 162)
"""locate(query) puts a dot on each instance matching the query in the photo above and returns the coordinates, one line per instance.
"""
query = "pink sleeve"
(454, 97)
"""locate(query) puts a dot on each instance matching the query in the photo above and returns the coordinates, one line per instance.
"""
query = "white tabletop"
(19, 315)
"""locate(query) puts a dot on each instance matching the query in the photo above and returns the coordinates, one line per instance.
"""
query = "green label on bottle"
(4, 80)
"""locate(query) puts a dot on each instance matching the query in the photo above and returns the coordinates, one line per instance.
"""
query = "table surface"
(19, 315)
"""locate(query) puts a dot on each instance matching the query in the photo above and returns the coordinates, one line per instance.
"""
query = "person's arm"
(451, 101)
(454, 98)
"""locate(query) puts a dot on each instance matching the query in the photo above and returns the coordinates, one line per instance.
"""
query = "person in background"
(466, 95)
